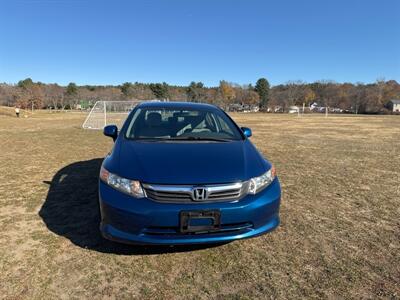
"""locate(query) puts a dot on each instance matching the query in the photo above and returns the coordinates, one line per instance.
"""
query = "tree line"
(369, 98)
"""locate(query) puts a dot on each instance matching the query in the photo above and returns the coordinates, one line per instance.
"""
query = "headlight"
(259, 183)
(131, 187)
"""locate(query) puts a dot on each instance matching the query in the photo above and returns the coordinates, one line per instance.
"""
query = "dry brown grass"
(339, 236)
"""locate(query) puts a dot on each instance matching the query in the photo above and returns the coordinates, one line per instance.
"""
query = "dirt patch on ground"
(339, 236)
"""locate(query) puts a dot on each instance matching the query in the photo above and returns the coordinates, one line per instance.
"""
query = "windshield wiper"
(197, 138)
(183, 138)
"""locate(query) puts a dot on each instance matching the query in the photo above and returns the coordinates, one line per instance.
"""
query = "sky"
(179, 41)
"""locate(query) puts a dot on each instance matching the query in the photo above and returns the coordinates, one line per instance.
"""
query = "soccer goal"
(104, 113)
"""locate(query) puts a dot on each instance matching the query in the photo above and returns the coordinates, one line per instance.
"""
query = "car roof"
(176, 105)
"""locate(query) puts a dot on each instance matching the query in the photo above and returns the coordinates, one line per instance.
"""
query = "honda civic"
(185, 173)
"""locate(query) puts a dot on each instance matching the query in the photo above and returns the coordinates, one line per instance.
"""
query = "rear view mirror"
(246, 131)
(111, 131)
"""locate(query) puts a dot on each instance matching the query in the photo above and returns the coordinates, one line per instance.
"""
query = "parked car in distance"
(185, 173)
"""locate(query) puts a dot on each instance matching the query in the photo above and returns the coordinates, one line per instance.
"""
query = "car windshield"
(181, 124)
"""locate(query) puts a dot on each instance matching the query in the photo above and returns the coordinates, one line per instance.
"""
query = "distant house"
(235, 107)
(240, 107)
(313, 105)
(275, 109)
(394, 105)
(293, 110)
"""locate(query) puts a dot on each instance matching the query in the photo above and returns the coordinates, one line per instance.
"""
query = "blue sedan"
(185, 173)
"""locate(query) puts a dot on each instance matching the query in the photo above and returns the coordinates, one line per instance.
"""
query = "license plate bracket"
(187, 217)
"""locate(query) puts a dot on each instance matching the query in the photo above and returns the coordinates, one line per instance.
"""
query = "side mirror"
(246, 131)
(111, 131)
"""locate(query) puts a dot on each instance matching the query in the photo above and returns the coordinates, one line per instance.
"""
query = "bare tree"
(54, 96)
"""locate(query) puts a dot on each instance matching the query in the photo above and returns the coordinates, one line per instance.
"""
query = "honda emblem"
(200, 194)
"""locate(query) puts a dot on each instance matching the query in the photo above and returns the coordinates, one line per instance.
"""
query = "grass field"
(340, 217)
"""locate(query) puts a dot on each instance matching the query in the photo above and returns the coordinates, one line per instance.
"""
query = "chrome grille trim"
(184, 193)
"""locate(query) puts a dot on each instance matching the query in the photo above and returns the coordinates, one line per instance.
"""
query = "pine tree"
(262, 88)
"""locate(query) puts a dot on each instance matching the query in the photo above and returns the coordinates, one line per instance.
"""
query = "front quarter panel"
(256, 164)
(111, 161)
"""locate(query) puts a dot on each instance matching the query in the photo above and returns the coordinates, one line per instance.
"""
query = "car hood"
(189, 162)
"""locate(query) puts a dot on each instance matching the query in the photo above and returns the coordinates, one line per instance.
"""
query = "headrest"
(154, 119)
(173, 120)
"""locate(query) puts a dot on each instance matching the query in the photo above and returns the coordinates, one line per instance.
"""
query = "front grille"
(185, 193)
(174, 231)
(230, 194)
(168, 196)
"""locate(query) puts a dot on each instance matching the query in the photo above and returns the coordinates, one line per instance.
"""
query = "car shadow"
(71, 210)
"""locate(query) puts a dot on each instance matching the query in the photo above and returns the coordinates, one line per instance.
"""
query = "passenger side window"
(224, 127)
(210, 122)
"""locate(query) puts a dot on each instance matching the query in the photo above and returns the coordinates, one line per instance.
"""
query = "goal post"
(104, 113)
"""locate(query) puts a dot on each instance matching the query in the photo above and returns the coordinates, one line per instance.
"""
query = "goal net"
(105, 113)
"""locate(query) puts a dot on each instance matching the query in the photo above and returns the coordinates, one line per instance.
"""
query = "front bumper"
(144, 221)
